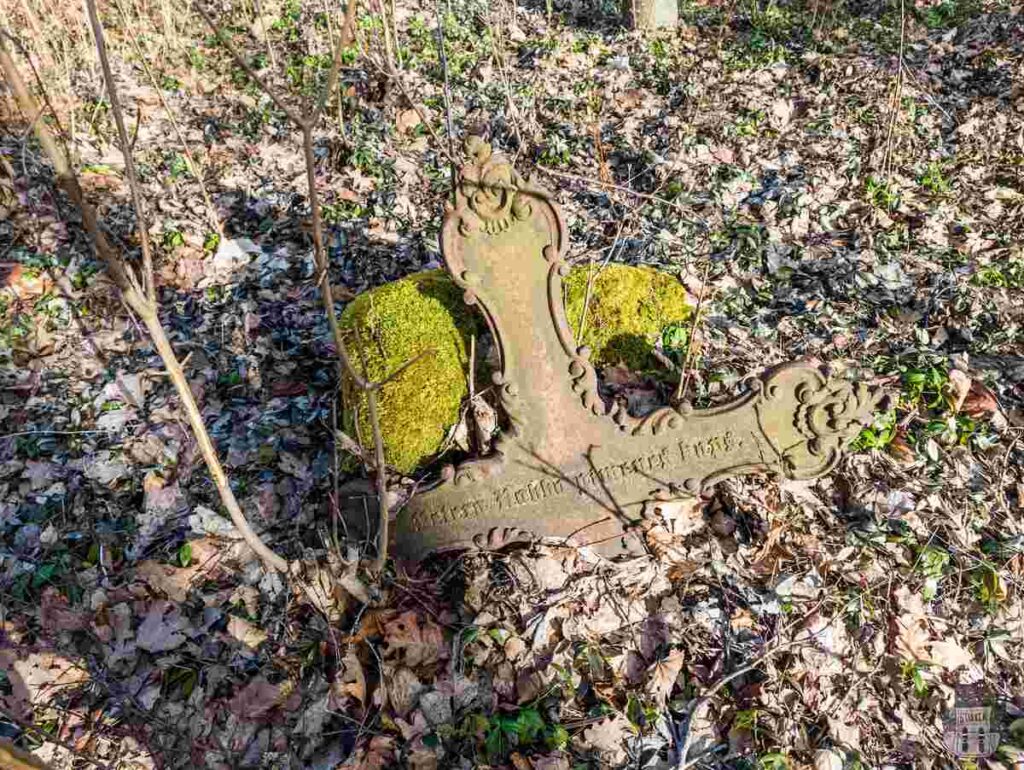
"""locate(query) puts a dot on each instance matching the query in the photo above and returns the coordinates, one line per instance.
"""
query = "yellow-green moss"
(629, 308)
(396, 322)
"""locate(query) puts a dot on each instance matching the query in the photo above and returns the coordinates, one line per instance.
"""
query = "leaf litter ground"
(769, 155)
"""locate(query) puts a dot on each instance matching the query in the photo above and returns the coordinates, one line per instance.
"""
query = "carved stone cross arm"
(570, 466)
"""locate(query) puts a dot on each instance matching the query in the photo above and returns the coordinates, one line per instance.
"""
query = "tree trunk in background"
(651, 14)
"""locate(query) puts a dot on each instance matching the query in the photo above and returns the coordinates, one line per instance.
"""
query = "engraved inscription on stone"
(571, 466)
(544, 488)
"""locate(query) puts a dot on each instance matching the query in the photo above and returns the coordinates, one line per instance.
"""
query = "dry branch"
(698, 704)
(193, 166)
(13, 758)
(306, 120)
(129, 164)
(135, 296)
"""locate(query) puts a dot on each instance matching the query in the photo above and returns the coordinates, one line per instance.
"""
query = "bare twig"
(374, 386)
(424, 118)
(381, 478)
(129, 164)
(394, 34)
(697, 705)
(591, 277)
(261, 19)
(443, 56)
(383, 509)
(345, 38)
(385, 32)
(897, 96)
(14, 759)
(193, 166)
(684, 379)
(610, 186)
(291, 112)
(510, 103)
(136, 299)
(306, 121)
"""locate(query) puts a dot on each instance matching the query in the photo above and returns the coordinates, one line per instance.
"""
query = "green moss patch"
(629, 309)
(397, 322)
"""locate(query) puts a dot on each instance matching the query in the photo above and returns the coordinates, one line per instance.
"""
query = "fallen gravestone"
(571, 466)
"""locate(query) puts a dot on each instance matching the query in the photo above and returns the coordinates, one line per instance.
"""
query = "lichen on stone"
(397, 322)
(628, 310)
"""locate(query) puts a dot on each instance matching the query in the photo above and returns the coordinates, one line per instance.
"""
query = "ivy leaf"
(185, 555)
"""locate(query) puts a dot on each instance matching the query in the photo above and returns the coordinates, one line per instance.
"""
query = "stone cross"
(570, 466)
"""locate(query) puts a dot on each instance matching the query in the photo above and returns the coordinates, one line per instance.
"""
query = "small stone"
(49, 536)
(437, 708)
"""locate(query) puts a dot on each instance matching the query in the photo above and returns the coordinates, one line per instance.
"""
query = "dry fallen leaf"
(959, 387)
(407, 120)
(670, 549)
(519, 762)
(55, 613)
(423, 758)
(607, 739)
(19, 282)
(378, 755)
(175, 582)
(36, 678)
(245, 632)
(351, 682)
(826, 759)
(980, 401)
(259, 697)
(741, 619)
(556, 761)
(682, 517)
(900, 449)
(329, 588)
(630, 99)
(663, 676)
(162, 629)
(949, 655)
(403, 687)
(413, 640)
(912, 639)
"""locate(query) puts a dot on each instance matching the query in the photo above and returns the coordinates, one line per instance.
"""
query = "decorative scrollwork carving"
(583, 375)
(476, 471)
(490, 186)
(808, 418)
(832, 415)
(499, 537)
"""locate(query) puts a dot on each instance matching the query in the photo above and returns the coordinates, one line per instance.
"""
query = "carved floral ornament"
(570, 466)
(490, 188)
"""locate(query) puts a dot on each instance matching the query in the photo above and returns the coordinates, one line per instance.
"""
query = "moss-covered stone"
(628, 310)
(397, 322)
